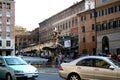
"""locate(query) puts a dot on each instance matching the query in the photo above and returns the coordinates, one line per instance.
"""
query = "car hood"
(24, 68)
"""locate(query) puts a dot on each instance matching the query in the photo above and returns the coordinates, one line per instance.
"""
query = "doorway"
(105, 44)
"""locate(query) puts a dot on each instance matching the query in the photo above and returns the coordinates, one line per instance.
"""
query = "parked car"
(15, 68)
(91, 67)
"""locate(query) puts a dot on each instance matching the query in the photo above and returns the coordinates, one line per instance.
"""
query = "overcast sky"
(28, 13)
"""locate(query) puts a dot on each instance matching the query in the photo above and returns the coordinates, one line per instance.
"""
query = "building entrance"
(105, 44)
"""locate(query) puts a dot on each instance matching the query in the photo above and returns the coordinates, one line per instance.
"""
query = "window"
(69, 24)
(84, 40)
(8, 34)
(83, 18)
(0, 5)
(2, 61)
(8, 20)
(60, 27)
(93, 27)
(92, 15)
(0, 12)
(66, 25)
(8, 28)
(72, 22)
(7, 43)
(0, 42)
(86, 62)
(0, 20)
(8, 6)
(104, 26)
(63, 26)
(101, 64)
(110, 10)
(97, 13)
(93, 38)
(117, 8)
(110, 24)
(8, 13)
(83, 28)
(98, 27)
(0, 34)
(0, 27)
(104, 1)
(76, 21)
(118, 23)
(104, 12)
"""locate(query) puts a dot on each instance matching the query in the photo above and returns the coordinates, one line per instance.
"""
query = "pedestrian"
(113, 56)
(118, 57)
(59, 59)
(63, 58)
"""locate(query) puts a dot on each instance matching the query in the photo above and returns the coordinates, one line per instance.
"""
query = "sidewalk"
(48, 70)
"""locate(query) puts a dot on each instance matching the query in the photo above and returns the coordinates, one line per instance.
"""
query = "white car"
(15, 68)
(91, 67)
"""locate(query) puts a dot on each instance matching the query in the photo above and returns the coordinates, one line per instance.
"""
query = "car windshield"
(15, 61)
(115, 62)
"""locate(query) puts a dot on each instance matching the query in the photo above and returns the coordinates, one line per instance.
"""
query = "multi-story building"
(99, 28)
(19, 30)
(108, 26)
(95, 22)
(7, 21)
(66, 23)
(25, 39)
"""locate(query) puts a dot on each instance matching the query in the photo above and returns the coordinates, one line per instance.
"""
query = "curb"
(48, 70)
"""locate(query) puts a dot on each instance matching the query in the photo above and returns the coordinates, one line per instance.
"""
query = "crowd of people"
(112, 55)
(62, 57)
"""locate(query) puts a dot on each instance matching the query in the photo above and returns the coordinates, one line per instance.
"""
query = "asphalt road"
(49, 76)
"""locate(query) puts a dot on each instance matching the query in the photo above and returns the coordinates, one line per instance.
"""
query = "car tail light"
(60, 68)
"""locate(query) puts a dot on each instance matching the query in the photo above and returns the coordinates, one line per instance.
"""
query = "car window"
(1, 62)
(85, 62)
(117, 63)
(101, 64)
(15, 61)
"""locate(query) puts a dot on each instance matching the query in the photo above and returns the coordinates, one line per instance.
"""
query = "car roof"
(87, 57)
(103, 57)
(8, 56)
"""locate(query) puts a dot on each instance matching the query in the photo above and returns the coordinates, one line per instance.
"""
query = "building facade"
(95, 23)
(24, 39)
(99, 29)
(7, 22)
(66, 23)
(86, 32)
(108, 26)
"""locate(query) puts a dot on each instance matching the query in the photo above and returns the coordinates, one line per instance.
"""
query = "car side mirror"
(2, 64)
(112, 67)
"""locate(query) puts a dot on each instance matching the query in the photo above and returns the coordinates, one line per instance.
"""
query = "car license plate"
(29, 75)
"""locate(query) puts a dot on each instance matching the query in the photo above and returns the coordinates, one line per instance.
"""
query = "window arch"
(105, 44)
